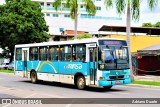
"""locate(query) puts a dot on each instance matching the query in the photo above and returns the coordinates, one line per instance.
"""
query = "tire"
(34, 77)
(107, 87)
(81, 83)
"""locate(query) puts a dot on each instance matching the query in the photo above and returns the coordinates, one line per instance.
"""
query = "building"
(149, 60)
(61, 19)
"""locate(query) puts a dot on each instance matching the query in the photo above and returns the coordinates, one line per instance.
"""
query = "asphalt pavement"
(12, 86)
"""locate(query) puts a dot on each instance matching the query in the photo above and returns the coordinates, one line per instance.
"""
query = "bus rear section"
(82, 64)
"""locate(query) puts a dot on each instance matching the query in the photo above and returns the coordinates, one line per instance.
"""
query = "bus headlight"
(126, 76)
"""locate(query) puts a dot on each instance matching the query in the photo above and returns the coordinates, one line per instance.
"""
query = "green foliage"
(21, 22)
(135, 9)
(151, 25)
(157, 24)
(85, 35)
(147, 24)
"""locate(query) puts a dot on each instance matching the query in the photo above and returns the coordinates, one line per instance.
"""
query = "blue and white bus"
(98, 62)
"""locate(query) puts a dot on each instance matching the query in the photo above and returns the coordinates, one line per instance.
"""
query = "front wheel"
(81, 84)
(34, 77)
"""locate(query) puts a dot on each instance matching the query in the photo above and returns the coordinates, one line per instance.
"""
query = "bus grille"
(117, 77)
(120, 72)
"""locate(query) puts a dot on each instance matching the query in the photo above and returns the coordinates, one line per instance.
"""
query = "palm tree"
(73, 6)
(133, 9)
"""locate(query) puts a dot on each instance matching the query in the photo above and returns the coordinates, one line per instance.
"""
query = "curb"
(142, 86)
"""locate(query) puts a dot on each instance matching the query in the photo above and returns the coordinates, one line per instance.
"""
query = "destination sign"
(112, 42)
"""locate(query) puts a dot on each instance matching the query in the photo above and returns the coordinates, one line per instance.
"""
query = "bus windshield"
(113, 57)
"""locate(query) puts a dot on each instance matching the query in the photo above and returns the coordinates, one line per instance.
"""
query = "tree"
(157, 24)
(133, 9)
(85, 35)
(73, 6)
(21, 22)
(147, 24)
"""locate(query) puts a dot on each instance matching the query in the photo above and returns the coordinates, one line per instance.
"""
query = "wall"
(148, 64)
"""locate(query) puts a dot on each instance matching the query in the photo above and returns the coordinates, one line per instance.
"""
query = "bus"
(97, 62)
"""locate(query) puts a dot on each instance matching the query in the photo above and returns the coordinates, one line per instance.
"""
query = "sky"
(146, 15)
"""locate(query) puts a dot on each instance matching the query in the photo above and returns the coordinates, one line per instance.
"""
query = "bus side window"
(79, 52)
(65, 53)
(53, 53)
(18, 53)
(33, 53)
(43, 53)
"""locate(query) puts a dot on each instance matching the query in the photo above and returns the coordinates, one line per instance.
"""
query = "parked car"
(11, 66)
(4, 65)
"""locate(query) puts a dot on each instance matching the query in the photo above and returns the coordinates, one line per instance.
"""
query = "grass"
(153, 83)
(7, 71)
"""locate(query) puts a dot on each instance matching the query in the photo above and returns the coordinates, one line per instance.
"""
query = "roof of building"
(151, 48)
(147, 30)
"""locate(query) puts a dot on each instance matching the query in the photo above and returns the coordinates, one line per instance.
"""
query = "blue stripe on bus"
(57, 67)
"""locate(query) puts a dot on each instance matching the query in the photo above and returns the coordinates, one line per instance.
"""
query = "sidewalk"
(147, 78)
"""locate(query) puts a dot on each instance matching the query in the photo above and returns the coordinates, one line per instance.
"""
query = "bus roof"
(77, 41)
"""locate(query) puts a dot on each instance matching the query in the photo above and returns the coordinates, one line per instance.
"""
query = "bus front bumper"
(112, 83)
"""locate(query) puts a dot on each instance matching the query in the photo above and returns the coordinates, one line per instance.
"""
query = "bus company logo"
(73, 66)
(6, 101)
(21, 101)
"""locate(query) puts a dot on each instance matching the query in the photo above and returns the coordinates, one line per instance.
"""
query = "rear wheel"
(34, 77)
(107, 87)
(81, 84)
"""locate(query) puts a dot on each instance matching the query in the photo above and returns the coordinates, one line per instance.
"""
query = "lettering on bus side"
(73, 66)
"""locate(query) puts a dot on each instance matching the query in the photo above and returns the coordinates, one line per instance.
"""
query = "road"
(12, 86)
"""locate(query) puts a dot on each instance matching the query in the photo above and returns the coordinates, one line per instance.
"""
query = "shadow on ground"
(62, 85)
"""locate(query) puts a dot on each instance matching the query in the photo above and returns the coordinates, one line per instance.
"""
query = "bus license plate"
(117, 82)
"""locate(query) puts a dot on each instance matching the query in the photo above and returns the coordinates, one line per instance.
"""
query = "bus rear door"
(25, 58)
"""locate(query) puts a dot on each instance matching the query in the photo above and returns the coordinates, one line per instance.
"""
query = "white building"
(61, 19)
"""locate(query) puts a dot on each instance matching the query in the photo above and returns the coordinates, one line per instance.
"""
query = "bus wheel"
(81, 84)
(107, 87)
(34, 77)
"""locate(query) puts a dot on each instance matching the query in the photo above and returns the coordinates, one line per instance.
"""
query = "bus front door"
(25, 58)
(92, 63)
